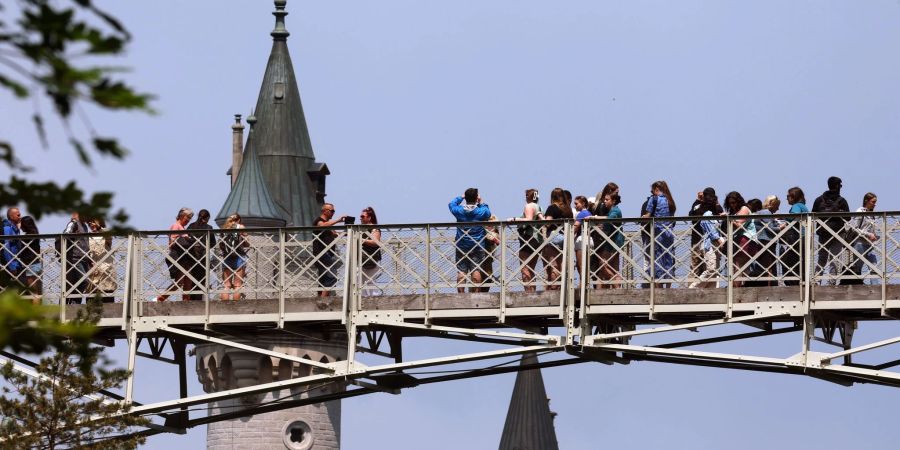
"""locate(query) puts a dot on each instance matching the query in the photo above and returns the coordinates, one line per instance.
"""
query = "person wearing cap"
(829, 230)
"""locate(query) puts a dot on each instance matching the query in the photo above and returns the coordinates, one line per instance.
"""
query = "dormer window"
(279, 92)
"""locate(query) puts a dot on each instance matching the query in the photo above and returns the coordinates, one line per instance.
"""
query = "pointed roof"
(282, 137)
(249, 196)
(282, 129)
(529, 422)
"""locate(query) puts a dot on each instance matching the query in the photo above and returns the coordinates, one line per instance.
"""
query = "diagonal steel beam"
(861, 348)
(249, 348)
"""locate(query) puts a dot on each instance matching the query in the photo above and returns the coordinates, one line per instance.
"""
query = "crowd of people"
(766, 249)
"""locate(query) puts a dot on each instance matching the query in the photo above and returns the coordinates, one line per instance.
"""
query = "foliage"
(63, 406)
(51, 50)
(29, 328)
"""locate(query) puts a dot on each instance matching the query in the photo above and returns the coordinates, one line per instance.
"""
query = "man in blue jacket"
(470, 252)
(10, 251)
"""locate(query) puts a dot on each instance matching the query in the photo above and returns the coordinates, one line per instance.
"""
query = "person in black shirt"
(323, 248)
(830, 247)
(199, 252)
(30, 255)
(558, 209)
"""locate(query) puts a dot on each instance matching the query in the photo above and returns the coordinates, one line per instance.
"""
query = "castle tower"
(277, 182)
(529, 421)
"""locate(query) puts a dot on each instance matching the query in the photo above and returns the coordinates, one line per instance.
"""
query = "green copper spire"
(250, 196)
(280, 33)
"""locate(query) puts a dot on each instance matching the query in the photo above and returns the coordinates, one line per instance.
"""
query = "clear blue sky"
(411, 102)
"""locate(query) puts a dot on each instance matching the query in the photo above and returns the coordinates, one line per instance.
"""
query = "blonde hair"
(772, 201)
(232, 221)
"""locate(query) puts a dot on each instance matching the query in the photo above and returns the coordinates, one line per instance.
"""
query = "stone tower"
(276, 182)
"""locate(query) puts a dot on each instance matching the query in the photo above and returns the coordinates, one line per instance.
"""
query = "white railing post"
(884, 263)
(651, 267)
(731, 278)
(427, 274)
(502, 279)
(281, 274)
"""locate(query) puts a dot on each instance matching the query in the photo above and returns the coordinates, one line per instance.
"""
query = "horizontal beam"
(709, 356)
(469, 331)
(590, 340)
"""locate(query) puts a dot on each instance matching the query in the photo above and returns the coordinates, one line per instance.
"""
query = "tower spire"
(280, 33)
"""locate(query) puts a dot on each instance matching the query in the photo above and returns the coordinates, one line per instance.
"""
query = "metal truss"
(611, 317)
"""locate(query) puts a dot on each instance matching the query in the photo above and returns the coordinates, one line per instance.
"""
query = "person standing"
(76, 259)
(32, 264)
(469, 241)
(199, 253)
(9, 255)
(102, 277)
(613, 240)
(371, 251)
(553, 261)
(706, 201)
(581, 212)
(831, 231)
(530, 239)
(176, 261)
(793, 259)
(661, 205)
(234, 258)
(710, 243)
(744, 240)
(324, 254)
(865, 229)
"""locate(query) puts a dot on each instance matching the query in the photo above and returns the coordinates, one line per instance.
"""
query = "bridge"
(635, 283)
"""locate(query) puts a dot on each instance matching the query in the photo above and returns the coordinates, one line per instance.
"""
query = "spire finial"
(280, 33)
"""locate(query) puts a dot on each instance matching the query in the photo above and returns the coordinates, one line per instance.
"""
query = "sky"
(410, 103)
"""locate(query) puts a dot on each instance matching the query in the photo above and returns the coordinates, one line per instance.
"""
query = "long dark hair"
(598, 208)
(558, 198)
(371, 213)
(737, 198)
(28, 225)
(664, 187)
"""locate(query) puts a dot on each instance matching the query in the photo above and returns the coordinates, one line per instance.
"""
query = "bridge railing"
(427, 260)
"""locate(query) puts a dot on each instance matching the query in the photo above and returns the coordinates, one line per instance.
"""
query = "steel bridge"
(609, 291)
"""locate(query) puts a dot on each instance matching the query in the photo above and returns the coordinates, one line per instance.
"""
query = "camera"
(349, 220)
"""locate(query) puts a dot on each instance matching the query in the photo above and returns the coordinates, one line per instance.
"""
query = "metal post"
(564, 274)
(127, 306)
(729, 287)
(207, 251)
(884, 264)
(809, 270)
(63, 300)
(652, 267)
(132, 353)
(585, 276)
(503, 280)
(427, 274)
(281, 270)
(348, 282)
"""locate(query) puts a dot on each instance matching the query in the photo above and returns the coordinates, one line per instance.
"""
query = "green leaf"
(110, 147)
(82, 152)
(17, 88)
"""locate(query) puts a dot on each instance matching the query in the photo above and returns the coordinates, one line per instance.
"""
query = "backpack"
(234, 242)
(834, 223)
